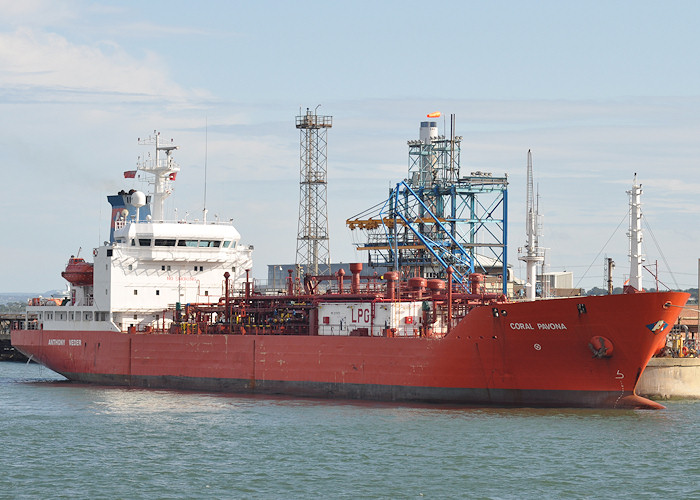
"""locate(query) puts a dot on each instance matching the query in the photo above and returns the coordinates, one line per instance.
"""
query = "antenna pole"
(206, 146)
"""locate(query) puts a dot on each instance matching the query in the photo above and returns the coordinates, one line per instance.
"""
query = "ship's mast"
(635, 236)
(533, 254)
(164, 171)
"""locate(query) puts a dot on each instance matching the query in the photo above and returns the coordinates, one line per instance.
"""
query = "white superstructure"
(150, 264)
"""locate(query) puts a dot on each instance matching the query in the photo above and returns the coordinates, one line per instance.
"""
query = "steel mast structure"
(533, 253)
(635, 236)
(164, 171)
(313, 252)
(436, 218)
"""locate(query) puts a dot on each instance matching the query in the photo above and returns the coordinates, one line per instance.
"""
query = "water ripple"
(67, 440)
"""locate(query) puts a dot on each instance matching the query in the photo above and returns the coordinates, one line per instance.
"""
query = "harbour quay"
(7, 352)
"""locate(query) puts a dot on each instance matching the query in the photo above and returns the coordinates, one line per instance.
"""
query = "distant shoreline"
(10, 297)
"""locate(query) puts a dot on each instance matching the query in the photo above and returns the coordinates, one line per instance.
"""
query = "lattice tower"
(313, 252)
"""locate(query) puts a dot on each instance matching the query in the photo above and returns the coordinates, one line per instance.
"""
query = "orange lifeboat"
(78, 272)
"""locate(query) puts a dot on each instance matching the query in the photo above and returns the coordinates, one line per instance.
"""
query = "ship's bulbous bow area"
(635, 402)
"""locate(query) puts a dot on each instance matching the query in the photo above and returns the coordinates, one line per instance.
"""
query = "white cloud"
(47, 66)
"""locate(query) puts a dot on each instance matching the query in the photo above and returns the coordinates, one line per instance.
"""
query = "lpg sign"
(360, 315)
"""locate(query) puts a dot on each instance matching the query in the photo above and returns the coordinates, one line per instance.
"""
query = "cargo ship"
(170, 304)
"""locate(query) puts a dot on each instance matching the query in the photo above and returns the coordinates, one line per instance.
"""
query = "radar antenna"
(164, 171)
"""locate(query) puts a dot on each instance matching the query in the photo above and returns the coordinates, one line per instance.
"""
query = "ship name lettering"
(57, 341)
(74, 342)
(182, 278)
(521, 326)
(551, 326)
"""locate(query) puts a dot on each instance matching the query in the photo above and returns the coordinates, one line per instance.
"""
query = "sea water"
(65, 440)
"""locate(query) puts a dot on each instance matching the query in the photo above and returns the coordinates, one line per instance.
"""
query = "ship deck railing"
(294, 329)
(120, 223)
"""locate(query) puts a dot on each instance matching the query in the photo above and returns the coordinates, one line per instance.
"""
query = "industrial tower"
(437, 218)
(313, 253)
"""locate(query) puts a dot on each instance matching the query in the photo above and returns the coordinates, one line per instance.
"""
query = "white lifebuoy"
(94, 252)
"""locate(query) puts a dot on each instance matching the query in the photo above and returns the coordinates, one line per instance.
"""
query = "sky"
(598, 90)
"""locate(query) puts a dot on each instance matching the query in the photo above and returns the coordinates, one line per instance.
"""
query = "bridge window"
(187, 243)
(145, 242)
(162, 242)
(209, 243)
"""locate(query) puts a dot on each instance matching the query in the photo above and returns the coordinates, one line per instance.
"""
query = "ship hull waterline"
(512, 354)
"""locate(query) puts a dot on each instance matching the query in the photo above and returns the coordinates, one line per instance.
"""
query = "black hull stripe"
(368, 392)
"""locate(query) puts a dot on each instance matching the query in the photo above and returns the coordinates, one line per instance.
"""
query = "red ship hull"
(524, 354)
